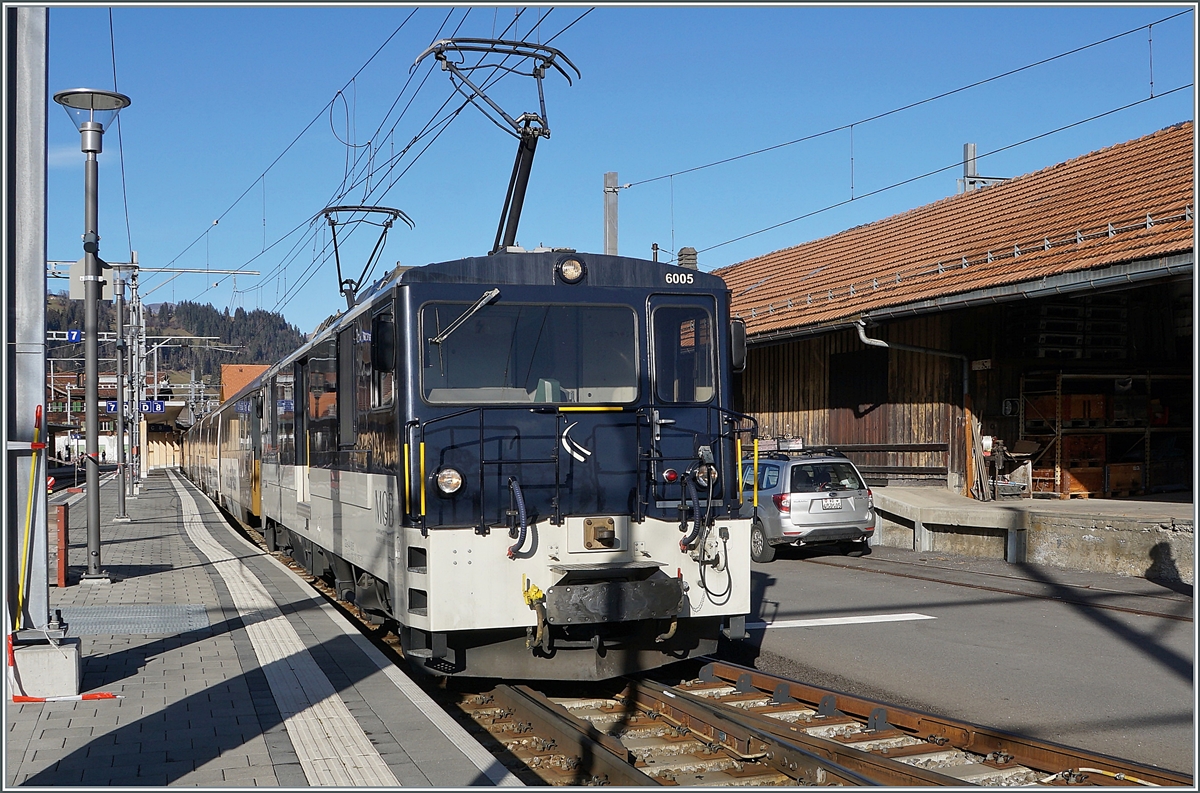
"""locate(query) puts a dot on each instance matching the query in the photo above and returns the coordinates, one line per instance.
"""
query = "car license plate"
(831, 503)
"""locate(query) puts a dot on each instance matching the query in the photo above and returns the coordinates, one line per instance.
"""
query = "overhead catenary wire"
(112, 42)
(943, 169)
(338, 194)
(262, 176)
(308, 126)
(373, 179)
(309, 271)
(917, 103)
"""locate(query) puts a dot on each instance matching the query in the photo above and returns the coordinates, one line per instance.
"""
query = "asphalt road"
(1056, 654)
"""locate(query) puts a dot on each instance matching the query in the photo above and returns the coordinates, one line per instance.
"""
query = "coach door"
(256, 453)
(300, 469)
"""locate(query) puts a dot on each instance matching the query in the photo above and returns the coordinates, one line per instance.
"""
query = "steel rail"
(602, 756)
(1036, 754)
(862, 764)
(742, 740)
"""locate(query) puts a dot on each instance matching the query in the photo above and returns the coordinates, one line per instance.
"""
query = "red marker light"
(670, 475)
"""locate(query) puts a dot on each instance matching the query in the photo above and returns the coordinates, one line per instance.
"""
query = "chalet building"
(1052, 312)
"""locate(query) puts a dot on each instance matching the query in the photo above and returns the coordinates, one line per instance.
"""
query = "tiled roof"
(1128, 202)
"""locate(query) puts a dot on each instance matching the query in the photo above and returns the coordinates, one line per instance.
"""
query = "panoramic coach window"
(683, 354)
(525, 353)
(322, 404)
(347, 393)
(285, 406)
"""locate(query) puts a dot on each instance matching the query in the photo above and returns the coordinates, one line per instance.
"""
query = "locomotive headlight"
(571, 270)
(706, 475)
(449, 481)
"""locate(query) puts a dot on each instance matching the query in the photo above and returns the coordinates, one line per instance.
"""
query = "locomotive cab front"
(571, 504)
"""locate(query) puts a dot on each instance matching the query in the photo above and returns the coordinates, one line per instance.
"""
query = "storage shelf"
(1052, 426)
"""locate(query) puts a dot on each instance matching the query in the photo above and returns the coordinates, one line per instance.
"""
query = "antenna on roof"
(527, 127)
(971, 179)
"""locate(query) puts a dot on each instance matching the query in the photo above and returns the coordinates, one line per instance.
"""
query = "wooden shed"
(1049, 307)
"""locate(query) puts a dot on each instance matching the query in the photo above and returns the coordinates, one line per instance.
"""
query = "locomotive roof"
(536, 268)
(529, 268)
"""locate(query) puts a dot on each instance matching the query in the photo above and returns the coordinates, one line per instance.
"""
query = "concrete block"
(45, 670)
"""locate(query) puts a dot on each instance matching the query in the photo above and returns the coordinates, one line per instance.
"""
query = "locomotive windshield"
(530, 353)
(683, 354)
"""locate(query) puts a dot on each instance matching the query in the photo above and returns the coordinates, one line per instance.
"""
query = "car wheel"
(760, 550)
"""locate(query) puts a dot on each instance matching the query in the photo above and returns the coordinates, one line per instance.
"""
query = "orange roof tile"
(1121, 204)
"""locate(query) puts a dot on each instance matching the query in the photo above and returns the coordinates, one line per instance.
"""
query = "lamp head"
(91, 110)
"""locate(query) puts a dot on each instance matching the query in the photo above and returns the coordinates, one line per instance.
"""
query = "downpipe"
(861, 326)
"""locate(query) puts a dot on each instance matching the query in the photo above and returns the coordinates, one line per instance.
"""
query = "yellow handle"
(737, 451)
(37, 427)
(422, 478)
(407, 481)
(756, 473)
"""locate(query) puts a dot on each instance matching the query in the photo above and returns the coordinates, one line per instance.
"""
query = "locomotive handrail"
(481, 410)
(726, 416)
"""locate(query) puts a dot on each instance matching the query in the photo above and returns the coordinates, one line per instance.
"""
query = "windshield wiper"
(484, 299)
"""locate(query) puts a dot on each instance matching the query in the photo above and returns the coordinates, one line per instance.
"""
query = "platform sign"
(74, 336)
(243, 406)
(286, 405)
(110, 406)
(152, 406)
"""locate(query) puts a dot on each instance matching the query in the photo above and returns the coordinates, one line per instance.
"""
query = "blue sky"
(219, 93)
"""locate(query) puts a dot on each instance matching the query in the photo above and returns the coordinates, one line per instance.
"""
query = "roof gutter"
(1131, 273)
(861, 325)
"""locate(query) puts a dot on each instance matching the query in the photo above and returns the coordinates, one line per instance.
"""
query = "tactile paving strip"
(127, 619)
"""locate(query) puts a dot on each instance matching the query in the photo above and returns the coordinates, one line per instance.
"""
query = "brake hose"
(689, 492)
(514, 488)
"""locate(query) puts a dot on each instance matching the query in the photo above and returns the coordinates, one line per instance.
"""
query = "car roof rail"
(823, 451)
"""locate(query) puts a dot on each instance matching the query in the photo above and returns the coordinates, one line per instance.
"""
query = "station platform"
(1148, 536)
(232, 672)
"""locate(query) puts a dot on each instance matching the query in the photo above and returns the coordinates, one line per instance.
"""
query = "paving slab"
(231, 671)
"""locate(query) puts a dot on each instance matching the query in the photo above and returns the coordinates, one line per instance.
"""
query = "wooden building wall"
(833, 389)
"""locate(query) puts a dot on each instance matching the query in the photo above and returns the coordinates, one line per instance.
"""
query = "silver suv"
(808, 498)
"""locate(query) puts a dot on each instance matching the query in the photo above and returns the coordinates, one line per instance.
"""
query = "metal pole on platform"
(131, 349)
(90, 109)
(139, 356)
(24, 328)
(119, 286)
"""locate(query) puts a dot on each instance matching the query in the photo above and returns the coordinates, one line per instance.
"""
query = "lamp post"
(90, 110)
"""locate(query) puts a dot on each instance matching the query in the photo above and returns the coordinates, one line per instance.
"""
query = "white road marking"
(329, 742)
(817, 623)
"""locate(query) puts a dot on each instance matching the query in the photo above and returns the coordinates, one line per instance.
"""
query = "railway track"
(729, 725)
(734, 726)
